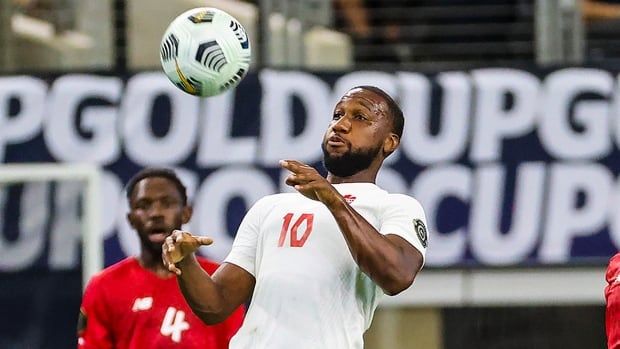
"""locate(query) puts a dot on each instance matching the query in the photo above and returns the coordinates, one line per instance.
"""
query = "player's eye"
(167, 203)
(337, 116)
(142, 205)
(361, 117)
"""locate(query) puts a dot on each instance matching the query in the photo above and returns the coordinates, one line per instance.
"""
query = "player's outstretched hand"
(179, 245)
(309, 182)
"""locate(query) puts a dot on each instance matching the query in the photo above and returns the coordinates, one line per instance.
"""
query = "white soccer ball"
(205, 51)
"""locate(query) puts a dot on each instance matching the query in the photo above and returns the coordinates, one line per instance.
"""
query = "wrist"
(187, 261)
(338, 202)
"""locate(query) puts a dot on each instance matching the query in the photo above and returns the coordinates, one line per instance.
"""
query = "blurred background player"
(362, 19)
(317, 264)
(136, 303)
(612, 297)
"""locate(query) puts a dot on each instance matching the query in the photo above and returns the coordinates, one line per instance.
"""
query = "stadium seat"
(39, 46)
(145, 28)
(327, 50)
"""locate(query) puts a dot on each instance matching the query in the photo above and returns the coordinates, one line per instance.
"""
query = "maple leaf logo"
(349, 198)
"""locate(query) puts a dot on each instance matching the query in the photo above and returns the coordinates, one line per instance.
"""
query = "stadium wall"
(516, 168)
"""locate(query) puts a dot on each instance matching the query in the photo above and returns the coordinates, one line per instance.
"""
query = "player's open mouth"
(336, 141)
(158, 235)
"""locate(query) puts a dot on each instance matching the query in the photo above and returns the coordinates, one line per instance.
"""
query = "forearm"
(378, 257)
(201, 292)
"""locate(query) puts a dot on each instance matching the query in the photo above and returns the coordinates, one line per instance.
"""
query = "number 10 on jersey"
(305, 219)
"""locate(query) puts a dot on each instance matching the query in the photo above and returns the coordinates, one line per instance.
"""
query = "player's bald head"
(391, 107)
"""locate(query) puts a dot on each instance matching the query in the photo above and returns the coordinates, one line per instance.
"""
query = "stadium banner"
(514, 167)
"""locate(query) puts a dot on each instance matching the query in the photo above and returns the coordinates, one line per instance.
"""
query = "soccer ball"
(205, 51)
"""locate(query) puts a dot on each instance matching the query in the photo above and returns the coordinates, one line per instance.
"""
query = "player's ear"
(390, 144)
(131, 219)
(186, 215)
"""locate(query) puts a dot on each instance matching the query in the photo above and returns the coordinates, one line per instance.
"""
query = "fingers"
(301, 173)
(179, 235)
(165, 254)
(168, 244)
(303, 187)
(294, 165)
(173, 268)
(204, 241)
(294, 179)
(178, 246)
(187, 237)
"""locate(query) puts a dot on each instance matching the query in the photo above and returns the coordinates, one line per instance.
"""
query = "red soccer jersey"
(129, 307)
(612, 297)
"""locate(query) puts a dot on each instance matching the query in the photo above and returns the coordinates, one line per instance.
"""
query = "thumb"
(204, 241)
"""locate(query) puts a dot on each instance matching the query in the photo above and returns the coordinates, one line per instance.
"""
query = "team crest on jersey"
(142, 304)
(349, 198)
(420, 230)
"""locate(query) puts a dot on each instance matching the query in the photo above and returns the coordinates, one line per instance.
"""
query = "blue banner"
(513, 167)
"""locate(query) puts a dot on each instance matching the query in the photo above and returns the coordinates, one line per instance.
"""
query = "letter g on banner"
(61, 133)
(142, 146)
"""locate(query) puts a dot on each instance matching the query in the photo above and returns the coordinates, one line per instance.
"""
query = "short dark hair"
(398, 120)
(151, 172)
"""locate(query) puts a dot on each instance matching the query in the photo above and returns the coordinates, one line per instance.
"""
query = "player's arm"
(93, 329)
(212, 298)
(389, 260)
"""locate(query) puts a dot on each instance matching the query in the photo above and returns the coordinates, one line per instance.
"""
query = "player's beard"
(156, 247)
(349, 163)
(153, 247)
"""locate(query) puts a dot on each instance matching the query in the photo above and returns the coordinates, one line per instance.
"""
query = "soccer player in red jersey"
(612, 297)
(137, 303)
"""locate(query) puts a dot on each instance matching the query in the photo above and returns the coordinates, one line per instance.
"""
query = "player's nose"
(342, 125)
(156, 210)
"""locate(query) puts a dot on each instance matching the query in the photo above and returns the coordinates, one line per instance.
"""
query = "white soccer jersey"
(310, 293)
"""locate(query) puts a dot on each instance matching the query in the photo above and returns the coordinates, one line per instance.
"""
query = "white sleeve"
(243, 252)
(404, 216)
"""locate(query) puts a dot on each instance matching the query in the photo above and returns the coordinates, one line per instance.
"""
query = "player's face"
(356, 134)
(156, 209)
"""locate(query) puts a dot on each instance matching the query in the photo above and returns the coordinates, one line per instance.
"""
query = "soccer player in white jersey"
(315, 262)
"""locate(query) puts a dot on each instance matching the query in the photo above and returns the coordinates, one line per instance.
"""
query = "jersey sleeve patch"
(420, 230)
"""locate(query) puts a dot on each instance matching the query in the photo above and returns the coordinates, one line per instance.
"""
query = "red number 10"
(308, 218)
